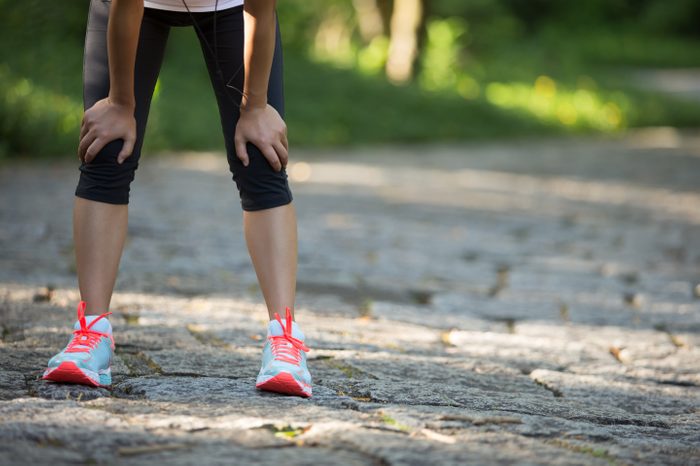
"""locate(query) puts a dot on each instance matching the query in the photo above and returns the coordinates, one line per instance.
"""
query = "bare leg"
(271, 235)
(99, 232)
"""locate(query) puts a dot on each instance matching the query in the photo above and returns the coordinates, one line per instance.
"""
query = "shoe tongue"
(103, 325)
(275, 329)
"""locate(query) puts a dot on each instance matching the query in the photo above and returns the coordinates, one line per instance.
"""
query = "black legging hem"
(107, 199)
(270, 202)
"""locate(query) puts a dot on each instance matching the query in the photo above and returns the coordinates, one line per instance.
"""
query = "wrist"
(128, 103)
(252, 102)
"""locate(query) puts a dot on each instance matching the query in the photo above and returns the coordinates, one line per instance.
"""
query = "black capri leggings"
(103, 179)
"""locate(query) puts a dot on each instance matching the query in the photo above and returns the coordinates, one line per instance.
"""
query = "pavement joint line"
(553, 390)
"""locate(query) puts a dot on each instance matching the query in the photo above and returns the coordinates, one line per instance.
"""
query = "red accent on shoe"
(285, 347)
(68, 372)
(285, 383)
(85, 338)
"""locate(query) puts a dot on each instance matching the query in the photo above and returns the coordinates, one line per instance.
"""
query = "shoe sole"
(68, 372)
(284, 383)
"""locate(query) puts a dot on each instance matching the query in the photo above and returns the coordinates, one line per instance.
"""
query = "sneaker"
(284, 359)
(87, 357)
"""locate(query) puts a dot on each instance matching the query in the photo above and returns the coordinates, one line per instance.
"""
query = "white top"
(197, 6)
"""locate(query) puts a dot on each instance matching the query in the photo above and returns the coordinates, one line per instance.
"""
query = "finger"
(94, 149)
(83, 129)
(282, 153)
(272, 157)
(284, 140)
(83, 132)
(241, 151)
(85, 142)
(127, 149)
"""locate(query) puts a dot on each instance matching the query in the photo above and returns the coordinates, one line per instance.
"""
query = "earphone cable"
(215, 54)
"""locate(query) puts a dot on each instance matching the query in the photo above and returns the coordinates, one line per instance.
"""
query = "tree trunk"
(406, 21)
(369, 19)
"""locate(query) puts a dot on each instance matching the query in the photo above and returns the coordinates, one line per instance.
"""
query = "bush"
(34, 119)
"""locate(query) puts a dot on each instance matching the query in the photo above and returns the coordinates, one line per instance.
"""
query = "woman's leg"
(100, 212)
(99, 231)
(269, 216)
(271, 235)
(100, 209)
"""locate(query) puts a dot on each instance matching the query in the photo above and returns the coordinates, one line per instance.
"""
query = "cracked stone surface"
(530, 303)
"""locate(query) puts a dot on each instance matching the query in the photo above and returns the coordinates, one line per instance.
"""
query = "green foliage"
(40, 73)
(487, 68)
(679, 17)
(441, 55)
(300, 20)
(34, 117)
(361, 109)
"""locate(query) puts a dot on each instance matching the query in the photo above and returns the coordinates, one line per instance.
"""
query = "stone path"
(683, 83)
(530, 303)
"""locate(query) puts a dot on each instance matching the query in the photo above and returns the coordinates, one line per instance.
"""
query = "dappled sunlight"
(235, 322)
(447, 70)
(444, 293)
(441, 64)
(552, 104)
(511, 301)
(497, 190)
(681, 82)
(661, 138)
(483, 189)
(338, 173)
(371, 59)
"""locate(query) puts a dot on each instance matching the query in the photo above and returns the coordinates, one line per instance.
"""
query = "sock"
(103, 325)
(274, 328)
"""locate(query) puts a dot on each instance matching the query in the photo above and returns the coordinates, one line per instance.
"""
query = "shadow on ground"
(533, 302)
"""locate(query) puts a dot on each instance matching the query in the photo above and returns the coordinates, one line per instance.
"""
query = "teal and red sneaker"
(284, 359)
(87, 358)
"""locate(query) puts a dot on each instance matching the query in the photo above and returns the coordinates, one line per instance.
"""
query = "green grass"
(390, 421)
(599, 62)
(325, 106)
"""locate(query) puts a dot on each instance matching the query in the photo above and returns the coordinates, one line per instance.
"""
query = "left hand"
(265, 129)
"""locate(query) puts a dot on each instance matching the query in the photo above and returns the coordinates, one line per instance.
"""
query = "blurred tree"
(371, 18)
(407, 21)
(403, 22)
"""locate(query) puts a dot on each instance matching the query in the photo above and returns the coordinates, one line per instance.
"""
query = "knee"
(259, 185)
(104, 179)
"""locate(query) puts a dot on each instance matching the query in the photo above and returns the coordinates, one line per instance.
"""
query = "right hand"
(263, 127)
(103, 123)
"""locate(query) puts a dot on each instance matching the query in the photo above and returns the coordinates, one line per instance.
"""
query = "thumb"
(127, 150)
(241, 151)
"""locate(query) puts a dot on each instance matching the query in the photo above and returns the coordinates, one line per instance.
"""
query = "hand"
(264, 128)
(103, 123)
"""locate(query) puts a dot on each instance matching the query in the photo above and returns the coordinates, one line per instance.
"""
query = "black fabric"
(104, 180)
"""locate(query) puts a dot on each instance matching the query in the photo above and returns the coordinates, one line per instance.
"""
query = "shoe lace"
(85, 338)
(285, 347)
